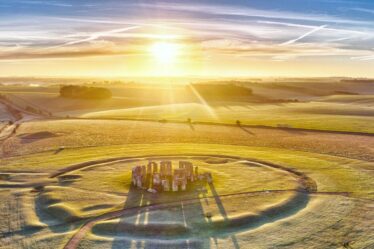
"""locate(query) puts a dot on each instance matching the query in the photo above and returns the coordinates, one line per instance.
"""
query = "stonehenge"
(165, 178)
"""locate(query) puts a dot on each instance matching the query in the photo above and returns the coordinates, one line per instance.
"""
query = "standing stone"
(156, 179)
(149, 168)
(183, 185)
(139, 181)
(175, 186)
(165, 185)
(155, 168)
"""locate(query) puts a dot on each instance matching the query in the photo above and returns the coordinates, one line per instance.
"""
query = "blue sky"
(316, 32)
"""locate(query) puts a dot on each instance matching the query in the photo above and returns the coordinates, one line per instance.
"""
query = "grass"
(85, 196)
(331, 173)
(190, 217)
(328, 222)
(117, 177)
(363, 100)
(39, 136)
(76, 197)
(337, 162)
(312, 115)
(353, 113)
(68, 204)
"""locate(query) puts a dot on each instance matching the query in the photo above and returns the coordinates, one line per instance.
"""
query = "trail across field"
(16, 118)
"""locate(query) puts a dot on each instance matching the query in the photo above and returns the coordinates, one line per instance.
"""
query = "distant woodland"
(85, 92)
(221, 91)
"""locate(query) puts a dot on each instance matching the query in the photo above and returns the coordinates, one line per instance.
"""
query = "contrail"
(303, 36)
(96, 36)
(363, 58)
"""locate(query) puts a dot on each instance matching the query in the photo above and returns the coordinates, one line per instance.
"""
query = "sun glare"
(165, 52)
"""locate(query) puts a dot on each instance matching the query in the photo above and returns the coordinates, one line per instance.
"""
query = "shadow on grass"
(168, 227)
(191, 126)
(246, 130)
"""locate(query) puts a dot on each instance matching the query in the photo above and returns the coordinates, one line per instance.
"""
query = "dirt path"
(10, 129)
(18, 116)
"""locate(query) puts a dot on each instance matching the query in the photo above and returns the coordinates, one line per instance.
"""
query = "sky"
(256, 38)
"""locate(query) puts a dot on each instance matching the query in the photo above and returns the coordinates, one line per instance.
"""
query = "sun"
(165, 52)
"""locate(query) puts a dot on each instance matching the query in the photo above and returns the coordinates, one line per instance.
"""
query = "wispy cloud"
(95, 36)
(304, 35)
(296, 25)
(247, 31)
(370, 11)
(243, 11)
(50, 3)
(363, 58)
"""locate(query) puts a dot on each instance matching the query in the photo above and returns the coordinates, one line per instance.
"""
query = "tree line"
(85, 92)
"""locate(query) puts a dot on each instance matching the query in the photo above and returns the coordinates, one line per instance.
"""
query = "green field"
(325, 109)
(66, 182)
(71, 201)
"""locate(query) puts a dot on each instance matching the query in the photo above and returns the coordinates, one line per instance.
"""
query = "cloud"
(363, 58)
(304, 35)
(50, 3)
(370, 11)
(339, 30)
(96, 35)
(67, 54)
(246, 31)
(243, 11)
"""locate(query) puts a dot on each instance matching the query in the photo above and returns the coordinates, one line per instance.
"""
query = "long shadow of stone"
(246, 130)
(164, 236)
(153, 227)
(191, 126)
(229, 227)
(223, 212)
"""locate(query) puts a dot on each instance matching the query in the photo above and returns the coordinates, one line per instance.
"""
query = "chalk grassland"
(326, 109)
(331, 173)
(311, 115)
(363, 100)
(71, 199)
(4, 115)
(22, 227)
(76, 195)
(123, 97)
(225, 180)
(37, 136)
(327, 222)
(340, 164)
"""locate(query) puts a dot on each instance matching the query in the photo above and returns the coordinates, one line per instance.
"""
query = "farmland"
(289, 174)
(335, 106)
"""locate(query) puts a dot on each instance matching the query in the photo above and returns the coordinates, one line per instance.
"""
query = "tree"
(84, 92)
